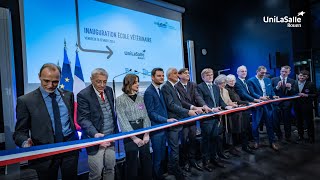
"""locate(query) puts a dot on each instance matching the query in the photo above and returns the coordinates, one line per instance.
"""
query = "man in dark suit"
(45, 116)
(283, 86)
(241, 86)
(212, 127)
(157, 111)
(190, 99)
(96, 116)
(242, 90)
(304, 105)
(176, 111)
(260, 88)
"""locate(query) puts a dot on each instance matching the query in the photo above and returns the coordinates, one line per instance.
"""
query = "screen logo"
(139, 55)
(164, 25)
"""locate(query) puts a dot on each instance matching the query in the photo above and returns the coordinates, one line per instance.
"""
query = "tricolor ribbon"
(22, 154)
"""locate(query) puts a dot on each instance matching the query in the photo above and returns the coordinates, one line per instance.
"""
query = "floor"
(292, 162)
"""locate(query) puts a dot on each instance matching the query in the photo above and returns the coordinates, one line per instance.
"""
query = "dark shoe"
(216, 158)
(218, 164)
(237, 150)
(163, 176)
(207, 166)
(178, 173)
(311, 140)
(234, 152)
(187, 167)
(251, 147)
(197, 166)
(274, 147)
(300, 138)
(179, 176)
(247, 150)
(288, 140)
(185, 174)
(223, 156)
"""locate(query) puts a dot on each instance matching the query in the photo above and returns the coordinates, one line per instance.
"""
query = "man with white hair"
(176, 111)
(97, 118)
(241, 86)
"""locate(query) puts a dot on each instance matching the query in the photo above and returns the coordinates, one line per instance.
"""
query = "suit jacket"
(283, 92)
(308, 88)
(173, 103)
(155, 105)
(234, 96)
(256, 90)
(90, 115)
(242, 91)
(190, 96)
(33, 117)
(206, 95)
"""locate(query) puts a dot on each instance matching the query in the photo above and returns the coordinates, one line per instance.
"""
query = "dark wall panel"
(234, 34)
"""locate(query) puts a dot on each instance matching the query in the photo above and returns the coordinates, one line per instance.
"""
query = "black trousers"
(189, 148)
(211, 139)
(138, 158)
(48, 167)
(283, 112)
(304, 113)
(246, 128)
(173, 143)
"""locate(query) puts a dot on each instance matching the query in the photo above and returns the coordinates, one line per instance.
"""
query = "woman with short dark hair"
(132, 115)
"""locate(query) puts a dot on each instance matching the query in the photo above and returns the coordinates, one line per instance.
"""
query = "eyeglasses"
(100, 82)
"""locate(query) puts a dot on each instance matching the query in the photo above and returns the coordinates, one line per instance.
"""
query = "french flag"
(78, 85)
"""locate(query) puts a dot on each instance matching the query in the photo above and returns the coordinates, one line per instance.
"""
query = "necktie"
(212, 95)
(245, 83)
(57, 120)
(185, 87)
(161, 97)
(102, 97)
(177, 92)
(283, 84)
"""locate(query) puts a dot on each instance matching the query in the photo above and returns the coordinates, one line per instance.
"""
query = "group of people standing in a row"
(45, 116)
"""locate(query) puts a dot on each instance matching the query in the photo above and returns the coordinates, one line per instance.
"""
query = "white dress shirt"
(263, 86)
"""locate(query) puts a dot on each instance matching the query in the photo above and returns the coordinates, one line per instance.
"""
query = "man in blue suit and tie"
(260, 88)
(241, 86)
(157, 111)
(242, 90)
